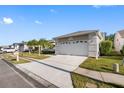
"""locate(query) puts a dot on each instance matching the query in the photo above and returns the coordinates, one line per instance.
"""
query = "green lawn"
(80, 81)
(33, 55)
(13, 59)
(103, 63)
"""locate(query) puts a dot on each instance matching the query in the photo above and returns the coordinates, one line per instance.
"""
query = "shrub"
(114, 53)
(122, 50)
(105, 47)
(48, 51)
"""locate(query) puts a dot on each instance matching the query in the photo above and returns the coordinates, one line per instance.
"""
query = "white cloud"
(38, 22)
(53, 10)
(96, 6)
(7, 20)
(99, 6)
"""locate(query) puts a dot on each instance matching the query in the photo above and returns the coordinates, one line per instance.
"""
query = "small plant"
(105, 47)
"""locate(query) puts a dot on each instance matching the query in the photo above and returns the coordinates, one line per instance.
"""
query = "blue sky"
(22, 23)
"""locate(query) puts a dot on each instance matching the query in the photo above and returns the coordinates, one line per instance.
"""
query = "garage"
(81, 43)
(77, 47)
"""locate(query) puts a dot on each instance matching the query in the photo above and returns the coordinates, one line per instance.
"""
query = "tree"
(39, 43)
(110, 38)
(45, 43)
(105, 47)
(32, 43)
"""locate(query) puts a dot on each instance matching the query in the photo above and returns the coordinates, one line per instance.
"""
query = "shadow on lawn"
(113, 57)
(107, 69)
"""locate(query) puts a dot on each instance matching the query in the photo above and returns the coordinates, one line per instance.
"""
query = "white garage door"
(79, 47)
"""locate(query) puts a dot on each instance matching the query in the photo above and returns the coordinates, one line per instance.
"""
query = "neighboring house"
(2, 47)
(81, 43)
(52, 41)
(119, 40)
(21, 46)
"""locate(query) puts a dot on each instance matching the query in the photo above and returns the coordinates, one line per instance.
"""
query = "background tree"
(32, 44)
(110, 38)
(45, 43)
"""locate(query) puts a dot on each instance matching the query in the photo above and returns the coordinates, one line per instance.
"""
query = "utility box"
(116, 67)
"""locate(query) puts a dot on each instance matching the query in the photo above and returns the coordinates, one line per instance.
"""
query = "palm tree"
(29, 43)
(45, 43)
(32, 43)
(42, 43)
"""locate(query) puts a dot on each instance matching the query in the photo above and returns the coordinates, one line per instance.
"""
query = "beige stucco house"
(81, 43)
(119, 40)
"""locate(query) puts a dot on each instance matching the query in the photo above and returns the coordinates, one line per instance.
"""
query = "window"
(81, 41)
(77, 41)
(85, 41)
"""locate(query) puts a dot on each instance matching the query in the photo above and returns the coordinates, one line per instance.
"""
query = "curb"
(37, 81)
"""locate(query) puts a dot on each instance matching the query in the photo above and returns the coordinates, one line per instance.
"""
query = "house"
(81, 43)
(119, 40)
(4, 46)
(52, 42)
(21, 46)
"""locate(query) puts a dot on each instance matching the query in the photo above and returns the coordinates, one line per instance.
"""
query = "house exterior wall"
(118, 42)
(94, 41)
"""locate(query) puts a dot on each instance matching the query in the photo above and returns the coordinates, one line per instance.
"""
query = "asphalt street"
(9, 78)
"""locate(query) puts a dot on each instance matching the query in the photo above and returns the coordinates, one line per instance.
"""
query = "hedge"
(105, 47)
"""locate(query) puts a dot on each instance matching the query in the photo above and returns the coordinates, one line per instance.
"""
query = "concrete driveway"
(55, 69)
(65, 62)
(55, 76)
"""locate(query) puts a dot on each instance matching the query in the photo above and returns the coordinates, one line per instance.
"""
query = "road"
(9, 78)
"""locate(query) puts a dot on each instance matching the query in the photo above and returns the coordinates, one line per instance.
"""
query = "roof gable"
(77, 33)
(121, 32)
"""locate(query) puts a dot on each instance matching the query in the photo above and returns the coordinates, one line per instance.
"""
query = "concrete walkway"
(102, 76)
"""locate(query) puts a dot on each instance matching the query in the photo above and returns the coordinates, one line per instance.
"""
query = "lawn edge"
(117, 85)
(101, 71)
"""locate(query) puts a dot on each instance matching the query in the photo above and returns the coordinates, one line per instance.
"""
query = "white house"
(81, 43)
(21, 46)
(119, 40)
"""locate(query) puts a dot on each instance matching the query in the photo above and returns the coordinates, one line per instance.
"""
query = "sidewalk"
(102, 76)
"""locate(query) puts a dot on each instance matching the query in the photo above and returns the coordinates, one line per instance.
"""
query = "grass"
(33, 55)
(103, 64)
(13, 59)
(80, 81)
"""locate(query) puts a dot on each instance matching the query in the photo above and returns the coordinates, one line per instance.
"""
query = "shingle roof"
(77, 33)
(121, 32)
